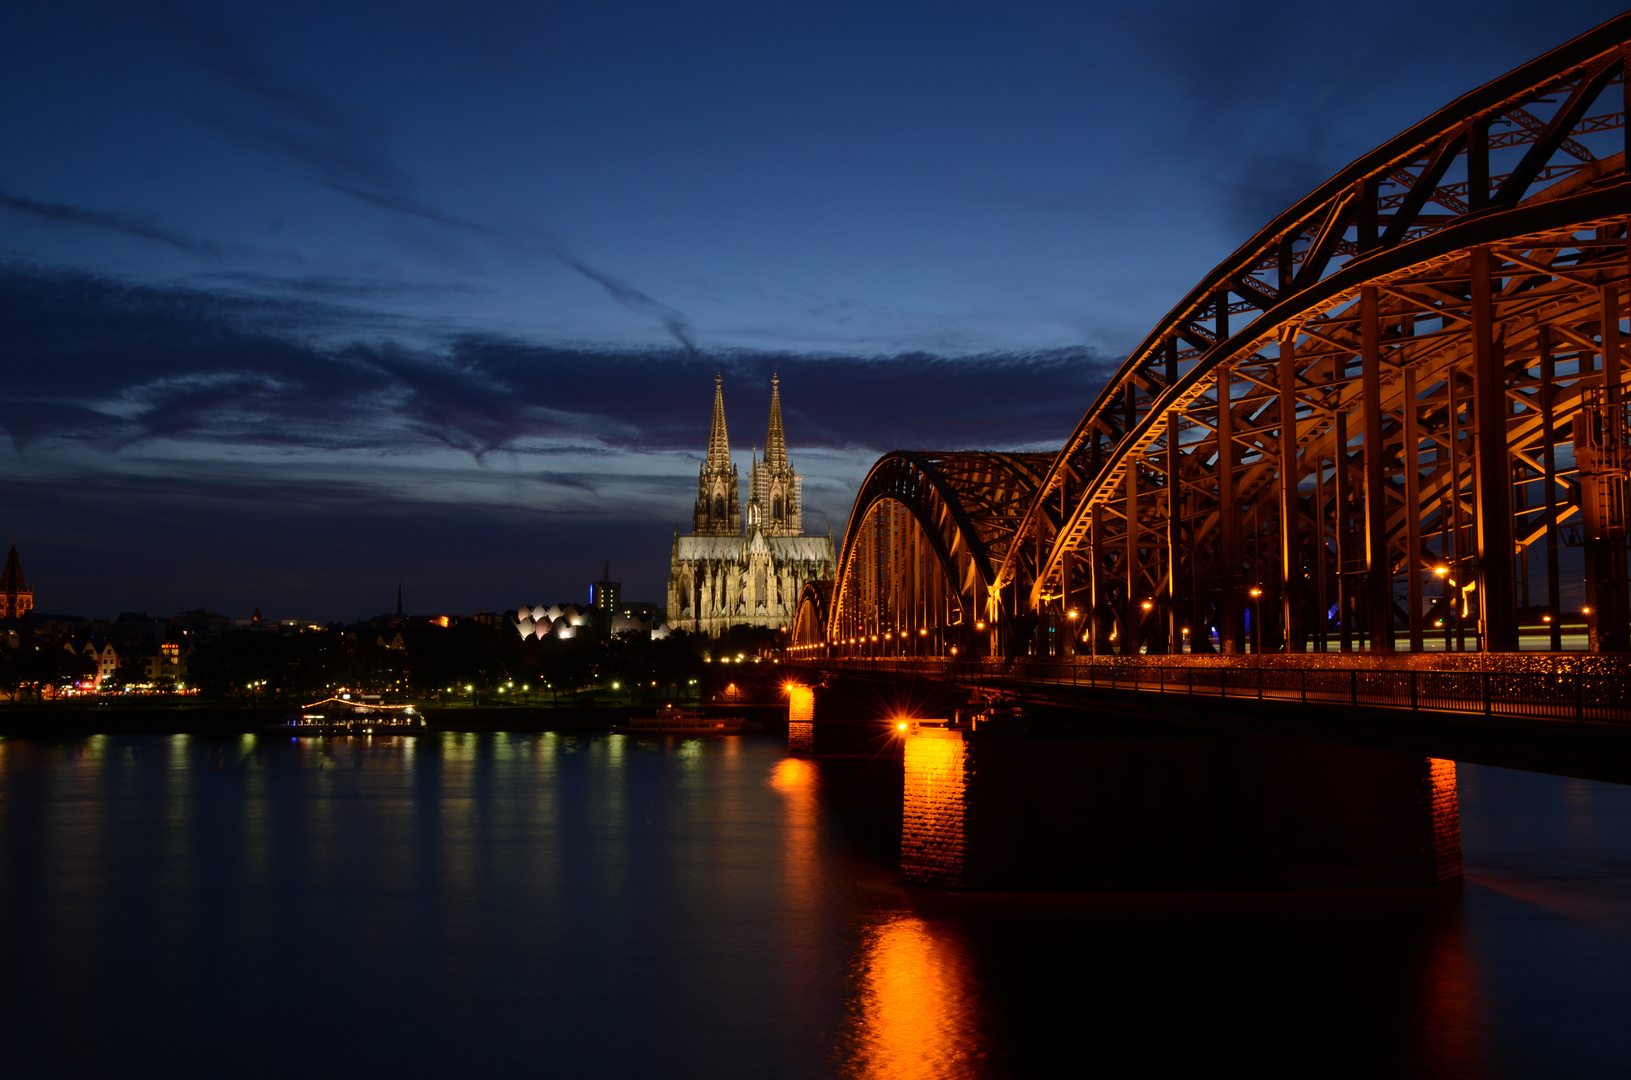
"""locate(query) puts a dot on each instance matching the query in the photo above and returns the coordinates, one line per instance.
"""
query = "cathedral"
(737, 569)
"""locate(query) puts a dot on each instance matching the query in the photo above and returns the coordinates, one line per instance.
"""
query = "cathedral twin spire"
(773, 488)
(776, 439)
(719, 508)
(719, 444)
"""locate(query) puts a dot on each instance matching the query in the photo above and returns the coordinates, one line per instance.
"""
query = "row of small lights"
(1255, 592)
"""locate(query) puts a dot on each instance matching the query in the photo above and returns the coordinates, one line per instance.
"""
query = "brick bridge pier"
(1019, 776)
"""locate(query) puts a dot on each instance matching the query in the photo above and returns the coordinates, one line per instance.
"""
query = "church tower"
(774, 489)
(16, 598)
(719, 506)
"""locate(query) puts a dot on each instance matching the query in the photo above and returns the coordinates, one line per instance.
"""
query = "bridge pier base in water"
(988, 809)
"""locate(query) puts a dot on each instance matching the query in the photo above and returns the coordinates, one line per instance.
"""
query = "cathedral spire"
(719, 444)
(776, 440)
(719, 507)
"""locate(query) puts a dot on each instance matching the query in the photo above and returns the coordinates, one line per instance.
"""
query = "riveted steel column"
(1343, 534)
(1175, 643)
(1412, 507)
(1378, 564)
(1228, 559)
(1130, 611)
(1496, 604)
(1548, 436)
(1095, 547)
(1133, 616)
(1290, 516)
(1603, 497)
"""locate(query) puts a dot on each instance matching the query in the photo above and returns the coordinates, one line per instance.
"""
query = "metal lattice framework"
(1387, 411)
(926, 536)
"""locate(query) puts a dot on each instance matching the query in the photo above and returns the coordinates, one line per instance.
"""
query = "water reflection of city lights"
(792, 774)
(917, 1013)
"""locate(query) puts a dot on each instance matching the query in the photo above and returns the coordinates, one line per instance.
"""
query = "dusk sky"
(302, 301)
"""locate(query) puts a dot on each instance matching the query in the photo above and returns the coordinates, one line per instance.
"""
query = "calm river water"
(547, 905)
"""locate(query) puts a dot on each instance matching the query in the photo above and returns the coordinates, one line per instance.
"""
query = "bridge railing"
(1575, 696)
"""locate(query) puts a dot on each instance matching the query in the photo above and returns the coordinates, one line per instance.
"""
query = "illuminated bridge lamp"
(1147, 605)
(1441, 571)
(923, 632)
(1070, 614)
(979, 626)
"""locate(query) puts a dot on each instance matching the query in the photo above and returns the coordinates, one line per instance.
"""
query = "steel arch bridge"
(1384, 418)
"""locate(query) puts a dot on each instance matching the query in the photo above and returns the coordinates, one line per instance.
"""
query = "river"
(552, 905)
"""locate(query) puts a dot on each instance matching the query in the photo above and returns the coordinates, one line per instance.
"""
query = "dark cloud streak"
(104, 361)
(128, 224)
(339, 150)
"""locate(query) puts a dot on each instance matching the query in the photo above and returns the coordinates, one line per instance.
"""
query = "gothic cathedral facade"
(725, 575)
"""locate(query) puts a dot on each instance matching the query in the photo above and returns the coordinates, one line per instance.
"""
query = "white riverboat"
(344, 716)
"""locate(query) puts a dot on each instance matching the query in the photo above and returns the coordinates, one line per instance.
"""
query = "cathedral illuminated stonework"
(722, 576)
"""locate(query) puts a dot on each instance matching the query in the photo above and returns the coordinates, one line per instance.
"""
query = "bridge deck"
(1571, 717)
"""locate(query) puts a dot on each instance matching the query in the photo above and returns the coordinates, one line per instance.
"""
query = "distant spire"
(11, 581)
(776, 440)
(719, 445)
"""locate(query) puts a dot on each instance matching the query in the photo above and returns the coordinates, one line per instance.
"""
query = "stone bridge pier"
(1051, 797)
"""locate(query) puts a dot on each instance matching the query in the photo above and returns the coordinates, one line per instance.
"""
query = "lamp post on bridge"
(1256, 593)
(1442, 572)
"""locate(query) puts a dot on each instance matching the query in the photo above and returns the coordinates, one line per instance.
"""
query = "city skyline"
(299, 307)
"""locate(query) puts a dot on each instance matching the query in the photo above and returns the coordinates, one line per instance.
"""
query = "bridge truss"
(1381, 420)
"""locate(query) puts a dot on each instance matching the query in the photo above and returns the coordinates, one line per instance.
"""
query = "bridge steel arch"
(925, 537)
(1411, 378)
(810, 618)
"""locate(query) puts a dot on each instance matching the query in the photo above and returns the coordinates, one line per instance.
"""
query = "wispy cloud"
(137, 225)
(339, 148)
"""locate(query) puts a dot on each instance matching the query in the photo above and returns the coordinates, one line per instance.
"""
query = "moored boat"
(342, 716)
(672, 721)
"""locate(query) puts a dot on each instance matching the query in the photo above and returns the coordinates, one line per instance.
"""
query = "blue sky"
(300, 301)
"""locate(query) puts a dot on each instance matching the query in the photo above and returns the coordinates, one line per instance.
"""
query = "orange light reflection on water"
(917, 1014)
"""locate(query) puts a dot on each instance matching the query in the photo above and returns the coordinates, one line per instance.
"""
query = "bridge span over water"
(1366, 481)
(1394, 420)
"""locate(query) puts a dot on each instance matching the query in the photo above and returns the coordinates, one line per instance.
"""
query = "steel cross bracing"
(925, 537)
(1452, 299)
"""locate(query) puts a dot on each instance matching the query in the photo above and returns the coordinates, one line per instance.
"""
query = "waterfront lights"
(954, 650)
(1585, 611)
(1545, 618)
